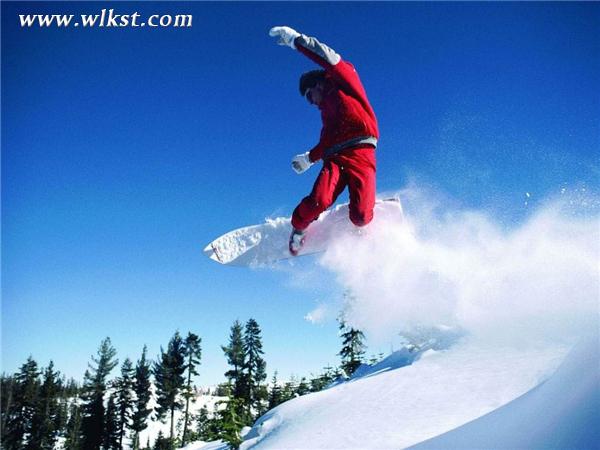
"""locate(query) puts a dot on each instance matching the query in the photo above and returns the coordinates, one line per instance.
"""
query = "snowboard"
(267, 243)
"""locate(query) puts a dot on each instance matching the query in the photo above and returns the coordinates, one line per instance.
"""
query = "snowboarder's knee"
(320, 202)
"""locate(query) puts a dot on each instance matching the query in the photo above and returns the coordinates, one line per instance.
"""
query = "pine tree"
(193, 354)
(289, 389)
(303, 387)
(230, 423)
(124, 399)
(7, 395)
(275, 394)
(141, 387)
(73, 438)
(317, 383)
(19, 420)
(110, 439)
(62, 416)
(235, 358)
(254, 366)
(168, 376)
(223, 389)
(353, 348)
(94, 389)
(162, 443)
(328, 376)
(206, 429)
(70, 388)
(46, 420)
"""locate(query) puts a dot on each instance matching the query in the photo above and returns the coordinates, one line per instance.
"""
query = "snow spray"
(537, 281)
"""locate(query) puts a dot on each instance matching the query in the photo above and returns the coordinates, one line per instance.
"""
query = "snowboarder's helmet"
(310, 79)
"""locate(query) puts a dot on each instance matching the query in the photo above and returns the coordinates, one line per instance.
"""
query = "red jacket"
(345, 110)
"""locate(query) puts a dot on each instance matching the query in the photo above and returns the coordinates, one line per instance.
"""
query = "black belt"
(371, 140)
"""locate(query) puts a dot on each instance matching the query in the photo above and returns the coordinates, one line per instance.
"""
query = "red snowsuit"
(347, 144)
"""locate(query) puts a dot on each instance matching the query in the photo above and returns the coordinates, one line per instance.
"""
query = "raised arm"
(342, 72)
(318, 52)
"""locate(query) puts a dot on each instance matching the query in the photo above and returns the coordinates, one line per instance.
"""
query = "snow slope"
(562, 413)
(402, 406)
(518, 398)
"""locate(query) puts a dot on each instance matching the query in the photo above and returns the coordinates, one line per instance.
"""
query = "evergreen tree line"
(248, 397)
(40, 408)
(35, 406)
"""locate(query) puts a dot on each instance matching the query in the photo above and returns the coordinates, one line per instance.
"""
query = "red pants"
(354, 168)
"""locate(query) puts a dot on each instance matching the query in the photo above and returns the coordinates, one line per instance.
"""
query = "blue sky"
(125, 151)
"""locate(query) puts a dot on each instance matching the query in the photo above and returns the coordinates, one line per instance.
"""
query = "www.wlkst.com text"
(106, 19)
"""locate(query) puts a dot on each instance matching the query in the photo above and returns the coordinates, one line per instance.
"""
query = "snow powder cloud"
(538, 281)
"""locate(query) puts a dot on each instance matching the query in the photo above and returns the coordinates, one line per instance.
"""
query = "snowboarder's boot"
(296, 241)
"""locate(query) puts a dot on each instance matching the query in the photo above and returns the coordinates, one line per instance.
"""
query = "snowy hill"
(403, 406)
(395, 405)
(563, 412)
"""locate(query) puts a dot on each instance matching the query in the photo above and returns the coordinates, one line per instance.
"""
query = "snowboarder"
(348, 136)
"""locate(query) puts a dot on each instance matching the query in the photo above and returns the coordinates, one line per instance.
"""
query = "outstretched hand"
(286, 35)
(301, 163)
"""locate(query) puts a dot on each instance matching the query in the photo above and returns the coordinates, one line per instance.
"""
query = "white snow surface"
(562, 413)
(470, 396)
(216, 445)
(399, 407)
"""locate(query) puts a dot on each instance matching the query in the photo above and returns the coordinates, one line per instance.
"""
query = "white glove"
(301, 163)
(286, 35)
